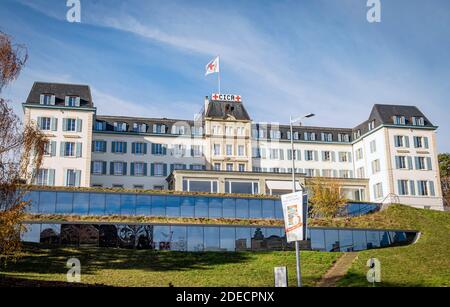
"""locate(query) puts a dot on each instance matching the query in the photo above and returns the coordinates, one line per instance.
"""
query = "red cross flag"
(213, 66)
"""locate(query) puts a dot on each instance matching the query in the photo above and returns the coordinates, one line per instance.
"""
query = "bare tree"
(21, 152)
(326, 197)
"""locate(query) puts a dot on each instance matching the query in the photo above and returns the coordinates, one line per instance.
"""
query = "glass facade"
(197, 238)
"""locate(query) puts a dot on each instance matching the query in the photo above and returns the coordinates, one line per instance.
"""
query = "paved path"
(337, 271)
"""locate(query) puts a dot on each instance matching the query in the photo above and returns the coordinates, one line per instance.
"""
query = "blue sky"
(147, 58)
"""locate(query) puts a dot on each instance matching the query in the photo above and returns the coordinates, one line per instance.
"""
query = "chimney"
(206, 104)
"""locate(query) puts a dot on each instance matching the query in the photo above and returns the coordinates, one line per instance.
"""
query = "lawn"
(121, 267)
(426, 263)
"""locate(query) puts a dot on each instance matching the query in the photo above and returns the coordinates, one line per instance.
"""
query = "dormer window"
(399, 120)
(296, 136)
(327, 137)
(100, 126)
(139, 128)
(274, 134)
(371, 125)
(310, 136)
(178, 130)
(47, 99)
(418, 121)
(159, 129)
(72, 101)
(343, 137)
(120, 127)
(197, 131)
(357, 134)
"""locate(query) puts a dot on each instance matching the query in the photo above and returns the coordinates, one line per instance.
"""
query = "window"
(216, 130)
(159, 149)
(159, 129)
(217, 166)
(360, 172)
(70, 124)
(359, 154)
(197, 131)
(401, 141)
(139, 148)
(357, 134)
(400, 162)
(375, 166)
(139, 128)
(344, 157)
(72, 178)
(403, 187)
(44, 123)
(228, 131)
(98, 167)
(178, 130)
(296, 135)
(138, 169)
(274, 154)
(418, 121)
(159, 170)
(399, 120)
(118, 169)
(99, 146)
(47, 99)
(69, 149)
(117, 186)
(158, 187)
(119, 147)
(373, 146)
(275, 134)
(240, 131)
(309, 155)
(372, 125)
(420, 163)
(327, 137)
(72, 101)
(237, 187)
(327, 173)
(343, 137)
(100, 125)
(120, 127)
(229, 149)
(326, 156)
(196, 151)
(50, 148)
(309, 172)
(345, 174)
(242, 167)
(229, 167)
(45, 177)
(197, 167)
(138, 187)
(241, 150)
(378, 190)
(423, 187)
(217, 149)
(310, 136)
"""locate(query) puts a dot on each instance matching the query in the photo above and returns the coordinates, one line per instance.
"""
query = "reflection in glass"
(188, 207)
(128, 204)
(108, 236)
(359, 240)
(212, 238)
(50, 234)
(179, 238)
(32, 233)
(64, 202)
(158, 205)
(89, 235)
(112, 204)
(346, 240)
(144, 237)
(255, 209)
(162, 237)
(317, 239)
(243, 239)
(215, 208)
(173, 206)
(373, 239)
(201, 207)
(195, 239)
(386, 239)
(229, 208)
(126, 235)
(278, 210)
(33, 199)
(70, 235)
(268, 209)
(227, 238)
(143, 205)
(332, 240)
(242, 208)
(47, 202)
(97, 204)
(273, 239)
(258, 238)
(80, 203)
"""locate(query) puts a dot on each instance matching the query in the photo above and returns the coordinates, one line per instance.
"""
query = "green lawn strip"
(120, 267)
(426, 263)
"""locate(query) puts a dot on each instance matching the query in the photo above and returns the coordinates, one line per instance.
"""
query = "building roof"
(61, 90)
(224, 109)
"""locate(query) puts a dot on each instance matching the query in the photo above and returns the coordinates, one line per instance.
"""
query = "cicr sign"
(226, 97)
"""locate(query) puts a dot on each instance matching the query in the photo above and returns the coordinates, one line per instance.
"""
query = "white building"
(391, 157)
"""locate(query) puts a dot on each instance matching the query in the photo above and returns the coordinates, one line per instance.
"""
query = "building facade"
(391, 157)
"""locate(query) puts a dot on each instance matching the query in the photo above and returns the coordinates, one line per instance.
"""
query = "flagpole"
(218, 76)
(218, 79)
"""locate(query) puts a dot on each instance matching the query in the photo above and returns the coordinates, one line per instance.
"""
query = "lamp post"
(294, 188)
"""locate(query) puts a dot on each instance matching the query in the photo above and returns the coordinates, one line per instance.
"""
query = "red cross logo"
(238, 98)
(211, 66)
(215, 97)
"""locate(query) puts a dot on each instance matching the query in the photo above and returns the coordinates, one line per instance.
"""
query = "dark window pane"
(162, 237)
(255, 209)
(215, 207)
(144, 237)
(97, 204)
(242, 208)
(212, 238)
(243, 239)
(359, 240)
(128, 204)
(241, 187)
(317, 239)
(195, 239)
(32, 233)
(346, 240)
(399, 237)
(108, 236)
(70, 235)
(200, 186)
(268, 207)
(47, 202)
(158, 205)
(201, 207)
(179, 238)
(274, 240)
(112, 204)
(188, 207)
(332, 240)
(173, 206)
(50, 234)
(227, 239)
(258, 239)
(386, 239)
(373, 239)
(64, 202)
(143, 205)
(81, 203)
(229, 208)
(89, 235)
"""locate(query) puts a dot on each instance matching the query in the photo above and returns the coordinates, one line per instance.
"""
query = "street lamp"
(294, 188)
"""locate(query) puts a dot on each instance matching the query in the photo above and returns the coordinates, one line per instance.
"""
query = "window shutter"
(79, 125)
(349, 157)
(164, 149)
(103, 146)
(396, 141)
(53, 148)
(407, 141)
(351, 174)
(416, 142)
(125, 147)
(412, 188)
(133, 148)
(79, 150)
(410, 163)
(153, 149)
(64, 124)
(316, 155)
(145, 148)
(124, 164)
(61, 150)
(77, 102)
(165, 169)
(429, 164)
(333, 156)
(92, 167)
(41, 99)
(172, 167)
(132, 169)
(66, 174)
(152, 169)
(104, 167)
(77, 178)
(417, 162)
(399, 187)
(397, 162)
(113, 147)
(66, 101)
(54, 123)
(431, 185)
(111, 168)
(145, 169)
(39, 122)
(51, 177)
(425, 140)
(289, 154)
